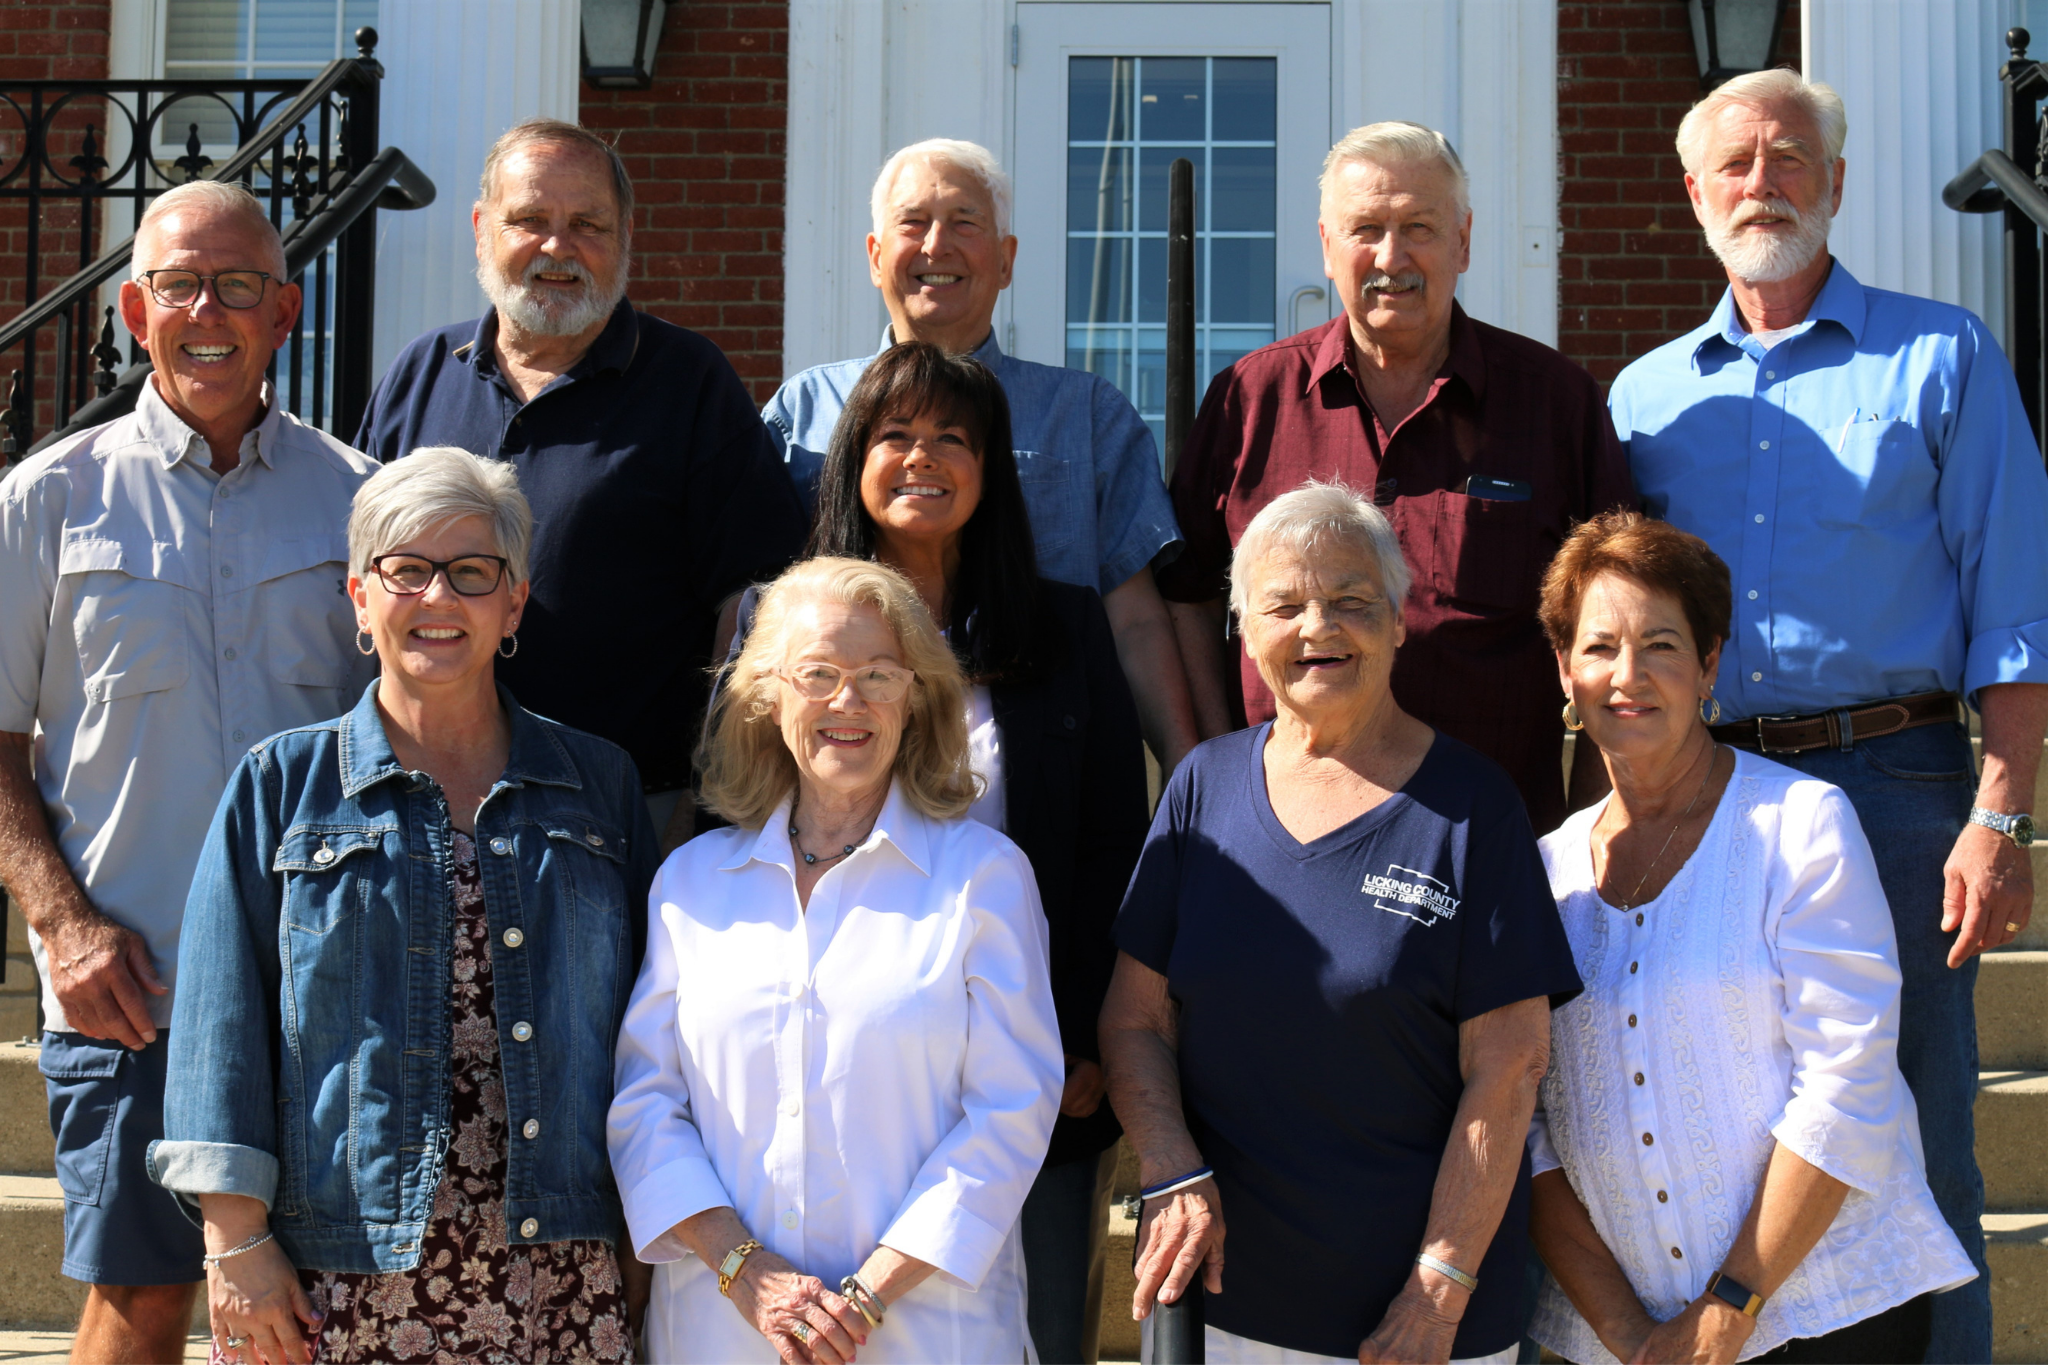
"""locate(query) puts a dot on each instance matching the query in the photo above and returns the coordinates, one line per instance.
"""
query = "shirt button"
(594, 840)
(1663, 1198)
(1770, 374)
(513, 938)
(1632, 1024)
(1759, 518)
(1639, 917)
(1763, 445)
(522, 1031)
(1649, 1141)
(1639, 1078)
(228, 653)
(1677, 1255)
(227, 571)
(1756, 677)
(530, 1228)
(501, 845)
(1752, 594)
(1631, 969)
(323, 856)
(789, 1219)
(791, 1108)
(237, 736)
(532, 1129)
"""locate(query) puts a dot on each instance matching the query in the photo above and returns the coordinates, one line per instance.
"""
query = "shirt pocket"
(1894, 477)
(327, 875)
(304, 613)
(129, 607)
(1482, 553)
(1062, 514)
(591, 854)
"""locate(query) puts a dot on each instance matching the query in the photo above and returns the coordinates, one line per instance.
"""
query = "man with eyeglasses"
(171, 592)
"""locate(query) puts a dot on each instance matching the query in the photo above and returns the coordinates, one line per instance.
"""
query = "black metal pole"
(1180, 308)
(355, 275)
(1177, 1329)
(2023, 82)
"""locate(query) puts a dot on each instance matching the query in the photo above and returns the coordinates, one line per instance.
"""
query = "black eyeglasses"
(231, 288)
(410, 575)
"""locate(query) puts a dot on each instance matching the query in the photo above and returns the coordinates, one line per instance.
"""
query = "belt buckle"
(1760, 722)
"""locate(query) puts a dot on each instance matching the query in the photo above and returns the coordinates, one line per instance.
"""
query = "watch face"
(2023, 830)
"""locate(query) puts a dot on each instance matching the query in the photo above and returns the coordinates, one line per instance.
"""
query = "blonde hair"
(1758, 88)
(747, 768)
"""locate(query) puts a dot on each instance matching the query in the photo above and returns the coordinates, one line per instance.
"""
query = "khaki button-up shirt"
(156, 620)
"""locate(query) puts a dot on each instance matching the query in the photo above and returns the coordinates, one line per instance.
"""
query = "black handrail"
(390, 181)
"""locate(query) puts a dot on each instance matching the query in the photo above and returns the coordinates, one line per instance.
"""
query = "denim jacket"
(309, 1062)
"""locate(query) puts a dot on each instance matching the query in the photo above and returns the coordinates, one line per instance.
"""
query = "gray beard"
(1766, 260)
(550, 317)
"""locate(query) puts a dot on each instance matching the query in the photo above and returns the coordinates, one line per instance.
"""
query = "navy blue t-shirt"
(655, 493)
(1320, 989)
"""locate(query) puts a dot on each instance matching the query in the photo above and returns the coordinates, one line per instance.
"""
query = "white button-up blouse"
(1755, 1001)
(881, 1067)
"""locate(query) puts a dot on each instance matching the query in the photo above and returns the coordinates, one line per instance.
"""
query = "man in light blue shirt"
(1862, 462)
(941, 253)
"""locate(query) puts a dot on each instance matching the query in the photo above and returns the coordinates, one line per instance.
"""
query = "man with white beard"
(1862, 462)
(656, 495)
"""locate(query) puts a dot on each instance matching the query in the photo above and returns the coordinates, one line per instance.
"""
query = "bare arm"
(1989, 880)
(99, 971)
(256, 1294)
(1584, 1265)
(1503, 1055)
(1139, 1037)
(1146, 647)
(1206, 654)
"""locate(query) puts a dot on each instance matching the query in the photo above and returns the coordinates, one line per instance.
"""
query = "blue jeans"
(1065, 1218)
(1912, 791)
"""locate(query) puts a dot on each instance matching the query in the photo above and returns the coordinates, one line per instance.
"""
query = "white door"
(1107, 96)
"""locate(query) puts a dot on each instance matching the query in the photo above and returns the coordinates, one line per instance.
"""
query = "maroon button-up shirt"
(1475, 664)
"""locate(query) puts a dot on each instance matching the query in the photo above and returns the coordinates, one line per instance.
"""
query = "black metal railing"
(1998, 182)
(309, 148)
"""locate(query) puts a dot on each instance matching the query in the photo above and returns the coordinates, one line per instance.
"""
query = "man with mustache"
(1483, 448)
(1862, 461)
(656, 496)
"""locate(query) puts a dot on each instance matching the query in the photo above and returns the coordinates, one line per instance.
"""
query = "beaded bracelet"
(1165, 1187)
(249, 1245)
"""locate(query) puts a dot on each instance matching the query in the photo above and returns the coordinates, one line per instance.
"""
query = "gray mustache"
(1407, 279)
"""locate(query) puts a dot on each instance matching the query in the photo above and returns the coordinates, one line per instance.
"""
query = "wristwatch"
(1735, 1294)
(735, 1261)
(2018, 828)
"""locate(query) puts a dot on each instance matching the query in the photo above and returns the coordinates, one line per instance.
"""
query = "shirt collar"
(1467, 360)
(174, 440)
(900, 824)
(1840, 301)
(614, 348)
(988, 353)
(537, 754)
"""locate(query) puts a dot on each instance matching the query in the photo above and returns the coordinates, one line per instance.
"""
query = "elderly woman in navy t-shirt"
(1332, 1002)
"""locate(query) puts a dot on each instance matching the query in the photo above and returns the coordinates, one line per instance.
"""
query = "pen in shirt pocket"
(1843, 439)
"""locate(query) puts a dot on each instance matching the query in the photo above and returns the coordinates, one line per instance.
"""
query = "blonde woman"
(831, 1119)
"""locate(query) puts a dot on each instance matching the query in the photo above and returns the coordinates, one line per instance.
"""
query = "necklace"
(1713, 757)
(812, 858)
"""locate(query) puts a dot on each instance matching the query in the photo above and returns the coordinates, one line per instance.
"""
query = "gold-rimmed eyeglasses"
(878, 683)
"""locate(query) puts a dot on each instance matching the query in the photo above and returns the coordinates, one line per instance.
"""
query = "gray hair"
(431, 487)
(1397, 143)
(1817, 98)
(1313, 517)
(971, 157)
(216, 196)
(560, 132)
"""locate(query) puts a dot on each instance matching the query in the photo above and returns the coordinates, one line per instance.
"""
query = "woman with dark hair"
(920, 476)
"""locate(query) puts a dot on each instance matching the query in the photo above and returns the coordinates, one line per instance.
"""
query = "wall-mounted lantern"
(1730, 37)
(619, 38)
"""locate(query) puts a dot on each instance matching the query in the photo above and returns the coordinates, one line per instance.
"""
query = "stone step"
(33, 1291)
(25, 1141)
(17, 1017)
(17, 930)
(2016, 1244)
(1119, 1337)
(2012, 1113)
(2012, 1011)
(21, 975)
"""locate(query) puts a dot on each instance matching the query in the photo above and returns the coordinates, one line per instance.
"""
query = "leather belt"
(1838, 729)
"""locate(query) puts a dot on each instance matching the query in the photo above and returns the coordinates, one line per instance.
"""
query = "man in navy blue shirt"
(656, 495)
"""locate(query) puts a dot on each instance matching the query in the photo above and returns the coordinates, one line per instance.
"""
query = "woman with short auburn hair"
(840, 1065)
(1728, 1163)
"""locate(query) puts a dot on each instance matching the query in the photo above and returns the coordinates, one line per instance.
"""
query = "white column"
(457, 74)
(1484, 74)
(1920, 80)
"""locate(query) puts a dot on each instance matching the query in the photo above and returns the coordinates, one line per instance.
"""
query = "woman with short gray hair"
(1332, 998)
(411, 935)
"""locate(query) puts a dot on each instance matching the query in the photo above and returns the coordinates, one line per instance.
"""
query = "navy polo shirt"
(656, 495)
(1320, 988)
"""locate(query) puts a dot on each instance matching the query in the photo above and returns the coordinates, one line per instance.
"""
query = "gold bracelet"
(734, 1262)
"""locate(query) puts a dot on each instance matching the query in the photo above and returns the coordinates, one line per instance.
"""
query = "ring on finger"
(234, 1343)
(803, 1332)
(2011, 928)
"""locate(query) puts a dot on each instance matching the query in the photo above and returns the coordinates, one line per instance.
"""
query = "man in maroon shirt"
(1483, 448)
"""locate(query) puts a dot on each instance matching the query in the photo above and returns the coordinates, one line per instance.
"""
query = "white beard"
(1764, 257)
(550, 313)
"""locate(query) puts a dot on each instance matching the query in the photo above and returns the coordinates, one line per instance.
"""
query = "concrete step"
(2012, 1011)
(1119, 1338)
(2016, 1244)
(33, 1292)
(21, 975)
(25, 1141)
(17, 1017)
(2012, 1113)
(54, 1348)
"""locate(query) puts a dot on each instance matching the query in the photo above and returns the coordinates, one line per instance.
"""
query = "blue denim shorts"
(106, 1107)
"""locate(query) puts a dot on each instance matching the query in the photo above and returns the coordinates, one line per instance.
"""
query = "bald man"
(170, 594)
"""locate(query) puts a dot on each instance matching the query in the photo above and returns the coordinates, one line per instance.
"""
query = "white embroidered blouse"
(1755, 1001)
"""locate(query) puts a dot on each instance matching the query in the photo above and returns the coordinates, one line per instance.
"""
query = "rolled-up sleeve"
(658, 1156)
(1831, 932)
(1993, 502)
(970, 1190)
(28, 586)
(1133, 516)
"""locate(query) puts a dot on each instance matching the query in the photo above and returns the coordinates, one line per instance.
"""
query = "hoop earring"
(1713, 718)
(1571, 716)
(505, 653)
(362, 635)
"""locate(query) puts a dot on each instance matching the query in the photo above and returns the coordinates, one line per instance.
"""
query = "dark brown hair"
(1655, 554)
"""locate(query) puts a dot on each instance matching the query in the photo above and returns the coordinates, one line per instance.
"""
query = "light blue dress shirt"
(1099, 510)
(1873, 485)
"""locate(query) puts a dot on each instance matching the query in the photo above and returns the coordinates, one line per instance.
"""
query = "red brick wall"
(705, 145)
(1633, 268)
(46, 40)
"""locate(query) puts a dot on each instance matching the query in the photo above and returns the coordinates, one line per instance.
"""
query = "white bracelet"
(1183, 1183)
(1446, 1269)
(249, 1245)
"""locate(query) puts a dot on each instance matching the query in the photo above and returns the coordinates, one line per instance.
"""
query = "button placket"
(1632, 1004)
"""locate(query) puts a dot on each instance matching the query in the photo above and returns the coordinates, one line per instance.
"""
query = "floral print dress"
(473, 1296)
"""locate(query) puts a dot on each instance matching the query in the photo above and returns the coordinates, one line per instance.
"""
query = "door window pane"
(1127, 114)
